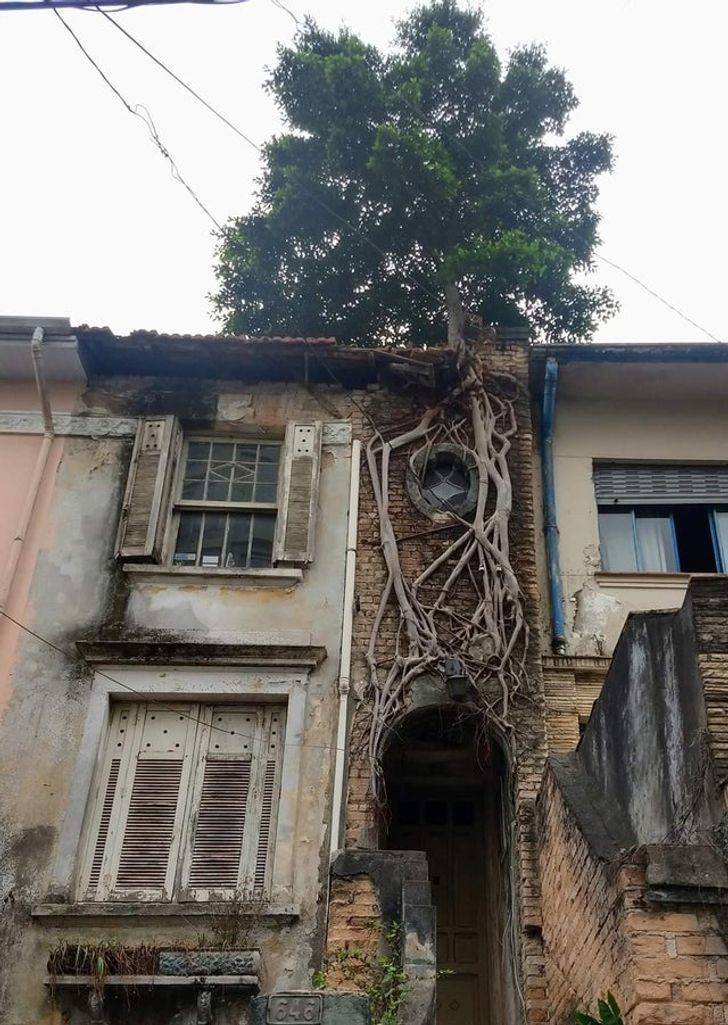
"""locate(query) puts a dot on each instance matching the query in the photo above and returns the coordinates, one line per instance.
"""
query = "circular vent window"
(446, 483)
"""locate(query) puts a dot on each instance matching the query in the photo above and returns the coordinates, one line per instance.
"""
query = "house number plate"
(285, 1009)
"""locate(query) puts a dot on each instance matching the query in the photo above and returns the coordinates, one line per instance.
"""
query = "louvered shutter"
(296, 525)
(107, 802)
(150, 824)
(270, 794)
(148, 489)
(660, 483)
(234, 804)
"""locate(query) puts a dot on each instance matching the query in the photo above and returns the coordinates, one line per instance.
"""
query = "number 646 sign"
(290, 1009)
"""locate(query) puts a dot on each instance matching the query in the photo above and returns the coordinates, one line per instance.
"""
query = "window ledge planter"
(272, 576)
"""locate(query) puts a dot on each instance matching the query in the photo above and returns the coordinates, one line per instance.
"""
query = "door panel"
(451, 831)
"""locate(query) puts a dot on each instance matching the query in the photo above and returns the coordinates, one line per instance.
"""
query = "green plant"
(381, 977)
(608, 1010)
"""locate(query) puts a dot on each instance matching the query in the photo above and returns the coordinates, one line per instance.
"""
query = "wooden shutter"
(148, 489)
(296, 525)
(272, 762)
(659, 483)
(235, 804)
(107, 802)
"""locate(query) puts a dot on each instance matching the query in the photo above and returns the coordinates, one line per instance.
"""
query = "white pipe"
(345, 660)
(31, 497)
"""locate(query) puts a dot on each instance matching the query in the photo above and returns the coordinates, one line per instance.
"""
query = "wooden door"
(451, 829)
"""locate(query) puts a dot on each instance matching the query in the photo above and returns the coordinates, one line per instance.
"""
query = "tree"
(415, 183)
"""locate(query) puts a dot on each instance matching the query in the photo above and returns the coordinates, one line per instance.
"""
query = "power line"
(142, 113)
(145, 697)
(660, 298)
(259, 149)
(458, 142)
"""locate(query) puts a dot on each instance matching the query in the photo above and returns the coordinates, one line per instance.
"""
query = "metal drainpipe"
(551, 530)
(345, 663)
(31, 497)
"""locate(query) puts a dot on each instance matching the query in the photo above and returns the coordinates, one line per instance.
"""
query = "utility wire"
(142, 113)
(458, 142)
(145, 697)
(659, 298)
(259, 149)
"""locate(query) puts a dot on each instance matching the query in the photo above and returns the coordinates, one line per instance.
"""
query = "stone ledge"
(231, 981)
(200, 653)
(150, 909)
(271, 576)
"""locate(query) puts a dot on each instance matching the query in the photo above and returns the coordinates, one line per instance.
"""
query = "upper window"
(443, 480)
(185, 803)
(227, 504)
(220, 503)
(662, 518)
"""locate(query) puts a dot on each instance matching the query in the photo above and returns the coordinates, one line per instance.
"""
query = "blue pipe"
(551, 530)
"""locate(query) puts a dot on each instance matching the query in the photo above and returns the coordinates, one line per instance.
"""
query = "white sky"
(93, 226)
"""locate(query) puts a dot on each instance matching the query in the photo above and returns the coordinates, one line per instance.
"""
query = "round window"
(443, 481)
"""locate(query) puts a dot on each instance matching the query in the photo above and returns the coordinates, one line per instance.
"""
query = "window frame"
(668, 510)
(178, 505)
(195, 683)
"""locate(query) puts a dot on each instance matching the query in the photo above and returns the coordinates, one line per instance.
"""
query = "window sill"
(273, 576)
(151, 909)
(668, 581)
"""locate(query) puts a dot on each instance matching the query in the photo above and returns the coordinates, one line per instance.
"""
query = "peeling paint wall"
(77, 591)
(612, 411)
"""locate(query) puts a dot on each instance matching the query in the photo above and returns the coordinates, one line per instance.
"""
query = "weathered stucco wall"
(661, 412)
(78, 592)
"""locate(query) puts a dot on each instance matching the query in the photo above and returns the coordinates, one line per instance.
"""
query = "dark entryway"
(444, 788)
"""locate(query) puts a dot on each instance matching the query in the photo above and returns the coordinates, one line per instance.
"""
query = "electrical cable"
(143, 114)
(145, 697)
(458, 142)
(316, 199)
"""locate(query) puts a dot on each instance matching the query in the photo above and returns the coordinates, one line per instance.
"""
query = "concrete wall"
(76, 591)
(619, 411)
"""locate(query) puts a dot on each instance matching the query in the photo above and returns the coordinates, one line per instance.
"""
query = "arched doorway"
(444, 788)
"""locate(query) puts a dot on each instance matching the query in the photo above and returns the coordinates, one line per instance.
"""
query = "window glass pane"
(238, 539)
(227, 471)
(720, 521)
(193, 489)
(213, 536)
(616, 537)
(198, 450)
(188, 535)
(655, 542)
(241, 493)
(223, 450)
(261, 550)
(266, 492)
(270, 453)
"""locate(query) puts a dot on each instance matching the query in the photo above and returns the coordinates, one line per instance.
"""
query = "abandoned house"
(349, 685)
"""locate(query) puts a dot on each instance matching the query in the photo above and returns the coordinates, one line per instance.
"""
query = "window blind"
(660, 483)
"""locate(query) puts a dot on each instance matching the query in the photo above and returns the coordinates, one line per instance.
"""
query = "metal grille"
(659, 483)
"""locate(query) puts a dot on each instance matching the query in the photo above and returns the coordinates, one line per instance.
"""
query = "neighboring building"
(196, 569)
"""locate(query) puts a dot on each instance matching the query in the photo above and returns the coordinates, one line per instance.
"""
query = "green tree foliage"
(434, 165)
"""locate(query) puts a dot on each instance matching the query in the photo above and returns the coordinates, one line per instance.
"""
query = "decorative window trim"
(417, 494)
(175, 684)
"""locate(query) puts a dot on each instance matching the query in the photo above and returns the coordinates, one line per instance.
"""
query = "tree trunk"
(455, 314)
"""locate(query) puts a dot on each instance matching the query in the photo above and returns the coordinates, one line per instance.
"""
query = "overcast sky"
(93, 226)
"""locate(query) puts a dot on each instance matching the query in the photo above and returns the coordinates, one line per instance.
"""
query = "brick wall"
(571, 686)
(355, 927)
(665, 964)
(362, 821)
